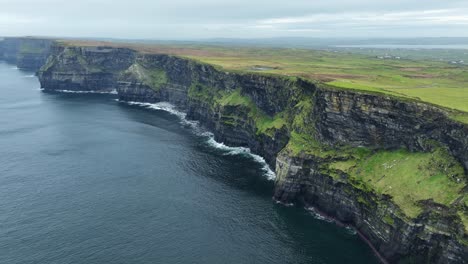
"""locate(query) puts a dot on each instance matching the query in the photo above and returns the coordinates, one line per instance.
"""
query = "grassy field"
(415, 53)
(399, 173)
(436, 82)
(408, 177)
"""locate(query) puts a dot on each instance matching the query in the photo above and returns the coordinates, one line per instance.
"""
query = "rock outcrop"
(378, 121)
(26, 53)
(76, 68)
(1, 49)
(301, 128)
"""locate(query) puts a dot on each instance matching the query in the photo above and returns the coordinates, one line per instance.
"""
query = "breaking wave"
(317, 215)
(350, 230)
(320, 216)
(242, 151)
(164, 106)
(194, 125)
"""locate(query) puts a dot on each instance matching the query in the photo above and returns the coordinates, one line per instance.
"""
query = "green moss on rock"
(268, 125)
(155, 78)
(264, 124)
(407, 177)
(235, 98)
(410, 177)
(302, 143)
(204, 93)
(389, 220)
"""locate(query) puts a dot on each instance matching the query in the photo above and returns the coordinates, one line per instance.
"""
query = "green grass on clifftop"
(235, 98)
(409, 177)
(435, 82)
(153, 77)
(157, 78)
(220, 99)
(438, 83)
(264, 123)
(300, 143)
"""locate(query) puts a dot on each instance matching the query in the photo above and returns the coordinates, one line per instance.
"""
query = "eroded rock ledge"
(338, 150)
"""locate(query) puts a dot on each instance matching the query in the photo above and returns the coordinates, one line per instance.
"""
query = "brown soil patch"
(412, 69)
(148, 48)
(329, 77)
(421, 76)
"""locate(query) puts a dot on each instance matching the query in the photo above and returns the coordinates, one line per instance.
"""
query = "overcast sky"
(196, 19)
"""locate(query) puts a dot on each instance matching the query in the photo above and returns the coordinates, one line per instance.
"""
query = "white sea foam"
(14, 68)
(351, 230)
(29, 76)
(86, 92)
(318, 215)
(164, 106)
(285, 204)
(243, 151)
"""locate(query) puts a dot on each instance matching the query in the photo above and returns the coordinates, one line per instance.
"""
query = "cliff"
(1, 49)
(26, 53)
(395, 169)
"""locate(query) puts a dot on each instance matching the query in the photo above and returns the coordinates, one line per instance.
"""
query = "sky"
(202, 19)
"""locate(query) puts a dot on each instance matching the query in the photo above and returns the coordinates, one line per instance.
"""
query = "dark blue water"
(85, 179)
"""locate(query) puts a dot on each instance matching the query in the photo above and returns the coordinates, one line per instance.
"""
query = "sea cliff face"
(383, 122)
(320, 140)
(2, 49)
(76, 68)
(26, 53)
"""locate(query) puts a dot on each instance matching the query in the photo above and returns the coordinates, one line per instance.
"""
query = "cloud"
(8, 19)
(407, 22)
(428, 16)
(187, 19)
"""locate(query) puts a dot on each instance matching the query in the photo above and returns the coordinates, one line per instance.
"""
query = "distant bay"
(401, 46)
